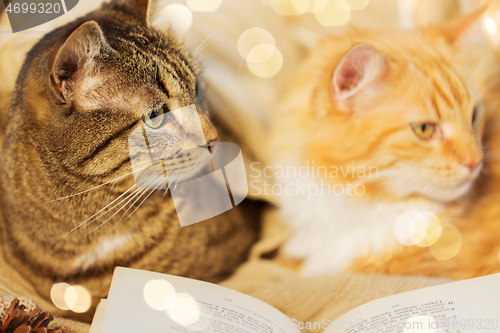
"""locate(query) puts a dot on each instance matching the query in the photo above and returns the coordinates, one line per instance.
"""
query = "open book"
(142, 301)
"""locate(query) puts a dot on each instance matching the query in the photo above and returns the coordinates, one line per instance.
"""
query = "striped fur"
(66, 158)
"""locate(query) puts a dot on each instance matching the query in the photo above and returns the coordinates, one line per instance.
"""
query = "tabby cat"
(385, 122)
(70, 208)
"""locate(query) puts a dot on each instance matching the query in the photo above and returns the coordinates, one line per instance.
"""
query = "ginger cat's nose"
(473, 164)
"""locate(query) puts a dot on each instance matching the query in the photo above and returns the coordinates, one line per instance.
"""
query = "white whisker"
(72, 195)
(162, 181)
(124, 205)
(109, 194)
(196, 51)
(87, 220)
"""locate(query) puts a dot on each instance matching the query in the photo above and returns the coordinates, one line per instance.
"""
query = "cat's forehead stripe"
(435, 106)
(438, 86)
(449, 89)
(164, 65)
(159, 56)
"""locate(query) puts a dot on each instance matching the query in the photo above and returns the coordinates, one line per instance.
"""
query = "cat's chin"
(447, 194)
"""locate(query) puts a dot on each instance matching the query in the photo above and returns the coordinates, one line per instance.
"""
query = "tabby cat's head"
(89, 84)
(72, 208)
(398, 102)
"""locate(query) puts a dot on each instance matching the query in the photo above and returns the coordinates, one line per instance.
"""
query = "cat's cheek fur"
(100, 92)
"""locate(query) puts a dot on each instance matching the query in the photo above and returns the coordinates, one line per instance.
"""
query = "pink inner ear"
(359, 67)
(349, 76)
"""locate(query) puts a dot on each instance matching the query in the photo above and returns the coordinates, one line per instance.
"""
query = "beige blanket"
(305, 299)
(244, 103)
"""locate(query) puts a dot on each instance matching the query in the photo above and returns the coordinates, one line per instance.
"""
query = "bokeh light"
(258, 48)
(260, 53)
(204, 5)
(177, 17)
(357, 4)
(70, 297)
(490, 26)
(57, 295)
(251, 38)
(410, 228)
(81, 299)
(67, 297)
(420, 324)
(264, 61)
(433, 231)
(448, 245)
(289, 7)
(330, 13)
(301, 6)
(159, 294)
(185, 311)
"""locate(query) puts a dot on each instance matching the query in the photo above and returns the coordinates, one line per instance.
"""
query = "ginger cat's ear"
(358, 71)
(453, 31)
(75, 58)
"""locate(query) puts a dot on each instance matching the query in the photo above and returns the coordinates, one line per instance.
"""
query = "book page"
(142, 301)
(96, 326)
(469, 306)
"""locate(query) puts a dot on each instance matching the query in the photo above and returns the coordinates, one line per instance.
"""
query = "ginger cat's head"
(399, 102)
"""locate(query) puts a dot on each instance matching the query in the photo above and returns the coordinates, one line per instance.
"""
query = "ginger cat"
(384, 123)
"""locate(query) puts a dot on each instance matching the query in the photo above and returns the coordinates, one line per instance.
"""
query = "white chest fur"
(331, 230)
(104, 249)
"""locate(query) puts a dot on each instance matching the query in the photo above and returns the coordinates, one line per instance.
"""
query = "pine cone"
(16, 320)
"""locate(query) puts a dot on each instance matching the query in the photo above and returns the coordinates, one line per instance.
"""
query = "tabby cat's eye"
(200, 95)
(155, 119)
(423, 130)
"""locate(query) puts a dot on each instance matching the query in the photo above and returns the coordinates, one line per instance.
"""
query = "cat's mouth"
(447, 188)
(471, 177)
(450, 192)
(179, 167)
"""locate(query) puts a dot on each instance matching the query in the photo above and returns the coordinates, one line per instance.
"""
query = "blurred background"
(249, 51)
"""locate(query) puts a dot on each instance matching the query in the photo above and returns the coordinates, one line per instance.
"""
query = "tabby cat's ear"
(138, 8)
(147, 11)
(75, 59)
(358, 71)
(456, 29)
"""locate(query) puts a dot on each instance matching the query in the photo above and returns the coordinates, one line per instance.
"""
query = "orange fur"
(414, 77)
(478, 224)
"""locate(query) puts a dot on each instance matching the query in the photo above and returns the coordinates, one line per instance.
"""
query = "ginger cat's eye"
(423, 130)
(156, 118)
(475, 114)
